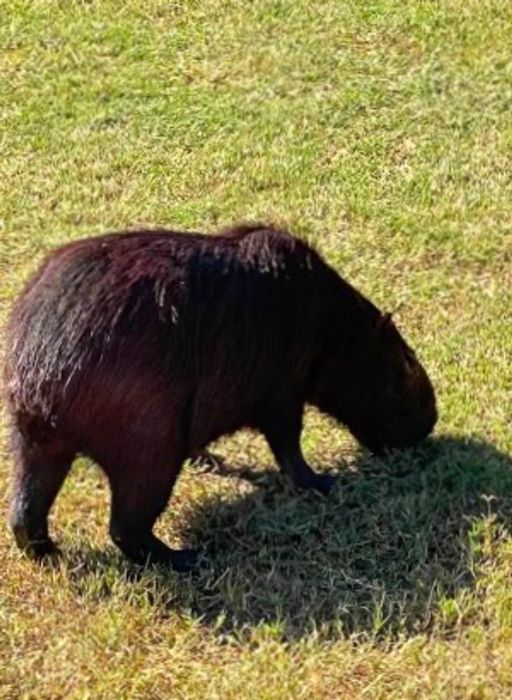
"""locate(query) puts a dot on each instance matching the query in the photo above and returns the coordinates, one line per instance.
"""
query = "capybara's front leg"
(139, 496)
(39, 471)
(282, 425)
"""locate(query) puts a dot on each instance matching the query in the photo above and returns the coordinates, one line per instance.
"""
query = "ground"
(380, 131)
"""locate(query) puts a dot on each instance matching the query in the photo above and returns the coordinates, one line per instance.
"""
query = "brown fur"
(140, 348)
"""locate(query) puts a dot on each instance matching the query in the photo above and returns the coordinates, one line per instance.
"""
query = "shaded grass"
(381, 132)
(370, 561)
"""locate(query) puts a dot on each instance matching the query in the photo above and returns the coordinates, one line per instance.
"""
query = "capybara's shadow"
(398, 536)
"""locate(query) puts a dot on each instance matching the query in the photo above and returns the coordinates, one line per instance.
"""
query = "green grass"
(381, 132)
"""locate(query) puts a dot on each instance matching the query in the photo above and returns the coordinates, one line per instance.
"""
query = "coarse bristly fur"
(139, 348)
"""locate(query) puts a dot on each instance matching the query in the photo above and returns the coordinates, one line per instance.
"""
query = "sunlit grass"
(381, 132)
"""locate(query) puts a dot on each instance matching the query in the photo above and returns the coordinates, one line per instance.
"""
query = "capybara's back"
(140, 348)
(116, 334)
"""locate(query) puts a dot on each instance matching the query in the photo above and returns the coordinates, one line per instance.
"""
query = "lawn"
(381, 132)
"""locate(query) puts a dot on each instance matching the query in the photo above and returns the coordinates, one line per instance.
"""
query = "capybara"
(139, 348)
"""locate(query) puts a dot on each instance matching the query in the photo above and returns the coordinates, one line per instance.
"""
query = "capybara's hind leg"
(39, 470)
(139, 495)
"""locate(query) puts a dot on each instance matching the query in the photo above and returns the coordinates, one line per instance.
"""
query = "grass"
(381, 132)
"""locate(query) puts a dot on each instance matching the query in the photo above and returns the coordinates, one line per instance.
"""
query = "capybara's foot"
(184, 560)
(151, 550)
(322, 483)
(181, 560)
(35, 548)
(45, 549)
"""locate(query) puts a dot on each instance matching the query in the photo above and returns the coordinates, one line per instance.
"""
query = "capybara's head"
(379, 390)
